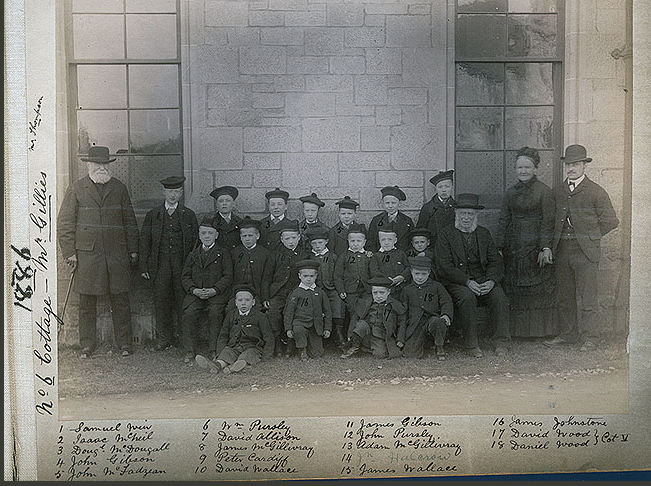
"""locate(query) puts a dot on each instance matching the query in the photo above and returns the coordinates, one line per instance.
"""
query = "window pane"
(545, 171)
(481, 36)
(101, 86)
(532, 6)
(479, 128)
(107, 128)
(480, 83)
(98, 36)
(529, 84)
(490, 185)
(151, 36)
(98, 6)
(153, 86)
(532, 36)
(529, 126)
(146, 171)
(485, 6)
(155, 131)
(153, 6)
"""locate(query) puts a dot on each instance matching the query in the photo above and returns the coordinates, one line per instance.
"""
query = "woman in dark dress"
(524, 236)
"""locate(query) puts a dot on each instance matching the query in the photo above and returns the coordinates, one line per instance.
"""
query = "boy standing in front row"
(245, 338)
(429, 310)
(307, 312)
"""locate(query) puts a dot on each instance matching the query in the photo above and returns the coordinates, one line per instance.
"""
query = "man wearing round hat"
(584, 214)
(169, 233)
(438, 212)
(403, 224)
(470, 267)
(225, 220)
(98, 236)
(277, 205)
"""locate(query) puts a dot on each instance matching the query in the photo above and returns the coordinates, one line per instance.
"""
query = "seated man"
(470, 267)
(245, 337)
(377, 324)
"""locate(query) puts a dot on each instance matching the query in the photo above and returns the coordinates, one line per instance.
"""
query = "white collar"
(203, 247)
(325, 250)
(170, 206)
(382, 250)
(441, 199)
(249, 249)
(274, 218)
(303, 286)
(392, 216)
(576, 182)
(230, 215)
(357, 251)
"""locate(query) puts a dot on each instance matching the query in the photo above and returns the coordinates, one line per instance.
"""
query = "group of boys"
(255, 289)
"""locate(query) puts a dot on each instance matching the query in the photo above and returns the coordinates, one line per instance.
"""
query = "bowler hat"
(468, 201)
(99, 155)
(305, 264)
(347, 203)
(312, 198)
(575, 153)
(442, 176)
(173, 182)
(420, 262)
(393, 191)
(318, 233)
(247, 222)
(277, 192)
(420, 232)
(229, 190)
(380, 281)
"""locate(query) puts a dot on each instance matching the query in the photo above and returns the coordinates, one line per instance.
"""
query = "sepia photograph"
(404, 223)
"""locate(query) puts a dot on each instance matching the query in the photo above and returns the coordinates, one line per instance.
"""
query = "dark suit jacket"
(326, 276)
(403, 226)
(253, 331)
(592, 215)
(213, 270)
(338, 240)
(393, 319)
(282, 273)
(102, 232)
(303, 227)
(351, 269)
(229, 233)
(451, 263)
(258, 261)
(152, 230)
(390, 264)
(319, 308)
(426, 300)
(436, 215)
(269, 237)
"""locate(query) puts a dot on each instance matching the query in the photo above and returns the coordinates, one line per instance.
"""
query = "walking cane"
(65, 303)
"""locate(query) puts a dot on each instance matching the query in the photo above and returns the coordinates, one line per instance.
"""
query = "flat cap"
(228, 190)
(347, 202)
(277, 192)
(420, 262)
(247, 222)
(173, 182)
(311, 264)
(420, 232)
(443, 175)
(244, 288)
(312, 198)
(318, 233)
(380, 281)
(394, 191)
(357, 228)
(208, 222)
(286, 225)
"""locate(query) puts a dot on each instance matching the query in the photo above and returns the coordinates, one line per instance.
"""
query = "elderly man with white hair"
(470, 267)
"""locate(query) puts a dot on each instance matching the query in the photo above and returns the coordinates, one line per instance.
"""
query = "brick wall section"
(335, 97)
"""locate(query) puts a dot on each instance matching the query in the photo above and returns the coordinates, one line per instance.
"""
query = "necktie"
(170, 211)
(571, 184)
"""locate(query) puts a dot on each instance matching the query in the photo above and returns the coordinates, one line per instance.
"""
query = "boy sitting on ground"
(245, 338)
(307, 312)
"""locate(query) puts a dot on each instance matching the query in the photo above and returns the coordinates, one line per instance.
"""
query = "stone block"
(244, 36)
(423, 67)
(437, 106)
(383, 60)
(356, 179)
(414, 115)
(263, 18)
(324, 41)
(213, 64)
(267, 178)
(233, 117)
(408, 31)
(376, 139)
(263, 60)
(345, 15)
(328, 83)
(256, 78)
(374, 20)
(420, 9)
(220, 148)
(268, 100)
(262, 88)
(310, 104)
(611, 21)
(236, 178)
(347, 65)
(258, 4)
(307, 65)
(228, 96)
(280, 121)
(337, 134)
(388, 115)
(216, 36)
(416, 147)
(252, 200)
(364, 37)
(609, 104)
(386, 9)
(287, 4)
(281, 36)
(371, 90)
(401, 178)
(346, 108)
(365, 161)
(225, 13)
(305, 19)
(289, 83)
(262, 161)
(310, 169)
(272, 139)
(407, 96)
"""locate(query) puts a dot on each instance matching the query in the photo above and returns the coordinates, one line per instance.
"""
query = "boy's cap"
(380, 281)
(247, 222)
(388, 227)
(357, 228)
(312, 198)
(208, 222)
(442, 176)
(228, 190)
(244, 288)
(394, 191)
(420, 262)
(308, 264)
(347, 203)
(173, 182)
(277, 192)
(318, 233)
(420, 232)
(286, 225)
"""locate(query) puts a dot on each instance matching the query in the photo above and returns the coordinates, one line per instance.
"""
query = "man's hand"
(545, 257)
(486, 287)
(199, 293)
(290, 334)
(343, 295)
(446, 319)
(474, 286)
(145, 275)
(400, 344)
(72, 262)
(210, 293)
(133, 258)
(326, 334)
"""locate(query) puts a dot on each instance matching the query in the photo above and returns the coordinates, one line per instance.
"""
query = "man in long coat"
(584, 213)
(98, 236)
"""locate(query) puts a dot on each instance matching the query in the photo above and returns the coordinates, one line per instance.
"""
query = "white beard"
(457, 225)
(99, 178)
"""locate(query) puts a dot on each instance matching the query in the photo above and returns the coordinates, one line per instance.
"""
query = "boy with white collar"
(277, 204)
(403, 224)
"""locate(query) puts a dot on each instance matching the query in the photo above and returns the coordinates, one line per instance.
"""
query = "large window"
(509, 77)
(124, 89)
